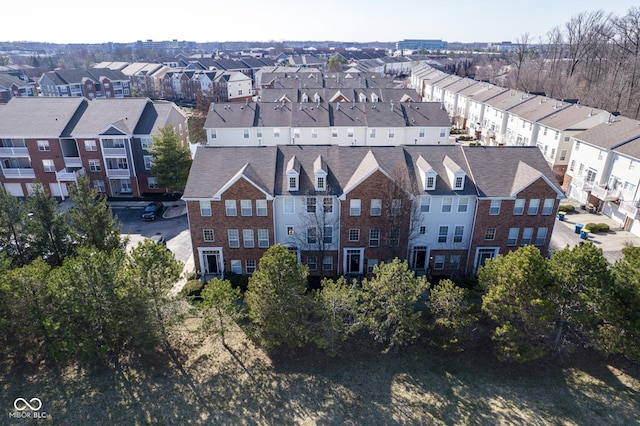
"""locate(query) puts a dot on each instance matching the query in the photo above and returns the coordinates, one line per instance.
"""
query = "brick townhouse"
(342, 210)
(53, 140)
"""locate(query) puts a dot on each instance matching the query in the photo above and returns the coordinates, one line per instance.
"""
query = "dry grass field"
(200, 382)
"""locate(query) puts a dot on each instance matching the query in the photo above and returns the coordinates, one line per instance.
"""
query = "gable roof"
(104, 114)
(612, 133)
(519, 167)
(214, 169)
(45, 117)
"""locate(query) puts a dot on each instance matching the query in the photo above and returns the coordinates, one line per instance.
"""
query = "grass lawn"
(200, 382)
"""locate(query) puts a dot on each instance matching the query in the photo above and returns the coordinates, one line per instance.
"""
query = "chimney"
(391, 106)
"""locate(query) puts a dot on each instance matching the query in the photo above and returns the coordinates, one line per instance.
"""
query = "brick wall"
(220, 223)
(506, 220)
(377, 186)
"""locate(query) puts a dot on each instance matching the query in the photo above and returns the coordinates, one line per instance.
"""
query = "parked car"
(152, 211)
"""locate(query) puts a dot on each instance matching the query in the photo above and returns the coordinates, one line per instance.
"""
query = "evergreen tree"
(516, 298)
(388, 304)
(277, 300)
(171, 160)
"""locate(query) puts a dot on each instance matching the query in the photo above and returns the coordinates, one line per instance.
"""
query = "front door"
(353, 261)
(212, 264)
(483, 254)
(419, 257)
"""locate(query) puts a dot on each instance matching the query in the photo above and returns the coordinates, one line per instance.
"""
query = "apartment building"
(53, 140)
(343, 209)
(319, 123)
(90, 83)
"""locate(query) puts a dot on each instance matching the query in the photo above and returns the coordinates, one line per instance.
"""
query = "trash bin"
(578, 228)
(591, 209)
(561, 216)
(584, 235)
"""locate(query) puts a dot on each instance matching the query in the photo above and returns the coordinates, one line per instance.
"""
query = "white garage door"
(56, 189)
(14, 189)
(635, 227)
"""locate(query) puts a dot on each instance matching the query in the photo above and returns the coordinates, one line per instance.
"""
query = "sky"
(79, 21)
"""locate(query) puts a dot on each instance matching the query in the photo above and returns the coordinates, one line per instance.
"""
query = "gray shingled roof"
(569, 118)
(33, 117)
(349, 115)
(308, 114)
(231, 115)
(632, 149)
(435, 157)
(213, 168)
(123, 114)
(615, 131)
(508, 99)
(380, 114)
(538, 107)
(426, 114)
(502, 171)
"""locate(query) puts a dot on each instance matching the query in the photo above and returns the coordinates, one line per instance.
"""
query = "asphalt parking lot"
(173, 226)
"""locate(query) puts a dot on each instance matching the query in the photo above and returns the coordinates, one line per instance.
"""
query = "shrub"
(592, 227)
(237, 280)
(568, 208)
(603, 227)
(465, 138)
(192, 288)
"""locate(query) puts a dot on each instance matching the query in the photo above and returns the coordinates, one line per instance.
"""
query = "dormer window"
(430, 182)
(459, 182)
(293, 183)
(293, 174)
(320, 173)
(427, 174)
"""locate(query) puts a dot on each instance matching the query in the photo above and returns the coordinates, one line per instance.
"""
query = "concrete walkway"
(610, 242)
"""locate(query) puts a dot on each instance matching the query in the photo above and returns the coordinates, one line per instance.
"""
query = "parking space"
(172, 225)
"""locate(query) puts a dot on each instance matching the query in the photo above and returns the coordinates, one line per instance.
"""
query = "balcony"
(21, 151)
(114, 152)
(118, 173)
(580, 182)
(605, 194)
(630, 209)
(69, 174)
(72, 162)
(19, 173)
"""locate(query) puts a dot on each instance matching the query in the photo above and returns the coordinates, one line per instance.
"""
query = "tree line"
(69, 290)
(523, 306)
(595, 58)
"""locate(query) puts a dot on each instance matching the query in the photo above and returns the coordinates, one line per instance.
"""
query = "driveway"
(610, 242)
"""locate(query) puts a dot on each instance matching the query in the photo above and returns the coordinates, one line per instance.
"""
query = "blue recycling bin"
(561, 217)
(579, 228)
(584, 235)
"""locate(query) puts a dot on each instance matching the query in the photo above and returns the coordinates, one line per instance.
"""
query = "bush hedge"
(597, 227)
(567, 208)
(192, 288)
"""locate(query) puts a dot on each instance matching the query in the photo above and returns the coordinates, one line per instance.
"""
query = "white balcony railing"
(18, 173)
(72, 162)
(114, 152)
(20, 151)
(630, 208)
(605, 194)
(580, 182)
(68, 175)
(118, 173)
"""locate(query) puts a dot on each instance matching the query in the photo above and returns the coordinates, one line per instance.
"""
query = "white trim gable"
(454, 172)
(240, 175)
(293, 172)
(426, 172)
(366, 168)
(320, 171)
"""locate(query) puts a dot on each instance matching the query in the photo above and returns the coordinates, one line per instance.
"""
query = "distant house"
(91, 83)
